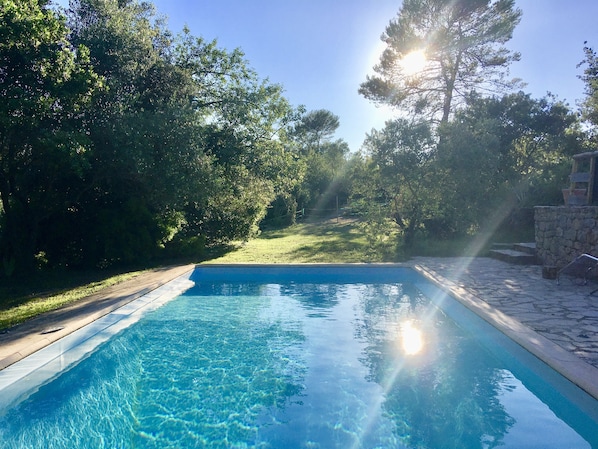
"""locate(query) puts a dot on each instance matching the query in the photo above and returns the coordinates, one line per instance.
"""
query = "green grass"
(330, 241)
(25, 299)
(324, 241)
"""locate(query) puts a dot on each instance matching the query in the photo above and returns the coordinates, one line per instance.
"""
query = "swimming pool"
(298, 357)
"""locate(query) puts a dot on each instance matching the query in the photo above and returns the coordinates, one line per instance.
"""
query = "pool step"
(515, 253)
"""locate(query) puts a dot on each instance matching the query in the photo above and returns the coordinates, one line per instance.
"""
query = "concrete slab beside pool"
(557, 323)
(35, 334)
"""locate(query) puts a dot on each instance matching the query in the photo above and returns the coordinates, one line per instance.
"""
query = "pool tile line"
(43, 365)
(27, 338)
(570, 366)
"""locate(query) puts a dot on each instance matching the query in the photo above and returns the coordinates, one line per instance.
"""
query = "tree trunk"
(18, 237)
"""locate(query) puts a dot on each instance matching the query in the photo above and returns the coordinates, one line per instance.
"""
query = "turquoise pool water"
(304, 358)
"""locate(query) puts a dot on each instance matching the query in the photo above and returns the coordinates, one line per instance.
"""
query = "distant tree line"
(123, 143)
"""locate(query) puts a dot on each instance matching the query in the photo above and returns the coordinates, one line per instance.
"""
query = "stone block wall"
(565, 232)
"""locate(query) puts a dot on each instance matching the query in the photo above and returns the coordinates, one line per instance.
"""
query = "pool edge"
(568, 365)
(27, 338)
(562, 361)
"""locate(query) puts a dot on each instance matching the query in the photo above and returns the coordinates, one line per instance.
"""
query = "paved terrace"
(559, 323)
(556, 321)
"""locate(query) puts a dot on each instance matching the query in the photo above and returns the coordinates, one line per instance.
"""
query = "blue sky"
(321, 50)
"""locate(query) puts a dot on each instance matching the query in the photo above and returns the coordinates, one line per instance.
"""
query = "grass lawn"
(21, 300)
(324, 241)
(328, 241)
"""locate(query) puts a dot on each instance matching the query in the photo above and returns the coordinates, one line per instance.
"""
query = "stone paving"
(565, 313)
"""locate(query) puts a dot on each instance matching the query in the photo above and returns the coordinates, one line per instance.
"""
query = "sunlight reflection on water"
(288, 365)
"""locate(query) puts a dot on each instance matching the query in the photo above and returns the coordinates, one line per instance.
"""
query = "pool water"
(289, 361)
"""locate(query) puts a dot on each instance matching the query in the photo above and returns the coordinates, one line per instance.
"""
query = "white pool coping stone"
(43, 355)
(577, 371)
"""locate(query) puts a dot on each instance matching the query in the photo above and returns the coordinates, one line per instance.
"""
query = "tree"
(187, 144)
(590, 78)
(503, 154)
(324, 160)
(315, 128)
(459, 47)
(400, 163)
(45, 86)
(125, 193)
(244, 123)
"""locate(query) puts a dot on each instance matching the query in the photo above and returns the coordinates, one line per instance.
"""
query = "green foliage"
(504, 154)
(126, 234)
(281, 213)
(380, 233)
(498, 157)
(323, 161)
(192, 247)
(463, 43)
(400, 177)
(202, 135)
(46, 85)
(121, 141)
(315, 128)
(496, 154)
(590, 78)
(489, 158)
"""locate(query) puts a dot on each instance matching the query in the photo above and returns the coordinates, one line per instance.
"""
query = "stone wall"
(565, 232)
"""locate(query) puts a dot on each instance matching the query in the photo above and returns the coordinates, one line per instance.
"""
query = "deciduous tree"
(45, 85)
(400, 161)
(188, 132)
(501, 154)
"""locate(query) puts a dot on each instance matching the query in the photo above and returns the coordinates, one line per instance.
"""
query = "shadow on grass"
(21, 290)
(346, 251)
(332, 240)
(340, 242)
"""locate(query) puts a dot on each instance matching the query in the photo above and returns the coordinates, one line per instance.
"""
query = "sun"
(413, 62)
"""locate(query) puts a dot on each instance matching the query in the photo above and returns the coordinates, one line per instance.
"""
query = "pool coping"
(25, 339)
(562, 361)
(32, 336)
